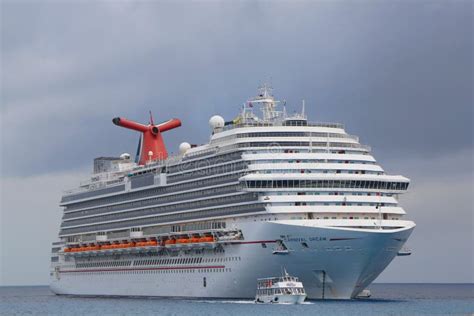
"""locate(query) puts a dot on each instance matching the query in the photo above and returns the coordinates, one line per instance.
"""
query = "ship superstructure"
(267, 191)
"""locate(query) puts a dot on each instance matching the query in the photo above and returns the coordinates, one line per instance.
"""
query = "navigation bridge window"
(381, 185)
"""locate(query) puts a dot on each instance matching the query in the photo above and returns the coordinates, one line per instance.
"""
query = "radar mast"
(267, 103)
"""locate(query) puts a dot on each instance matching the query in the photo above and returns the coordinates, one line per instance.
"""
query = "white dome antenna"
(184, 147)
(216, 122)
(125, 156)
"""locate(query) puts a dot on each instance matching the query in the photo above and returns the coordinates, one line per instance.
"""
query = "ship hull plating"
(332, 263)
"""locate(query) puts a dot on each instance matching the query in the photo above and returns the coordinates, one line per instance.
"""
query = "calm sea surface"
(387, 299)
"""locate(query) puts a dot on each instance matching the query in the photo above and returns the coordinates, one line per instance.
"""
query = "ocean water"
(387, 299)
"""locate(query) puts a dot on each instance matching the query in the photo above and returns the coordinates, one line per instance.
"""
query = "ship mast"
(267, 103)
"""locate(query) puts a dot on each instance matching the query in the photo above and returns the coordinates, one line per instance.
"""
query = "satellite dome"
(183, 147)
(216, 122)
(125, 156)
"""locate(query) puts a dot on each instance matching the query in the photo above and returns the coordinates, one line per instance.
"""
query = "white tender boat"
(282, 290)
(364, 294)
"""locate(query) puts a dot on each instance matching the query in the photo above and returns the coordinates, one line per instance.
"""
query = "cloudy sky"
(396, 73)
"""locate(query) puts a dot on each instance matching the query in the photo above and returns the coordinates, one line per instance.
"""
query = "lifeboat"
(206, 239)
(194, 240)
(170, 242)
(182, 242)
(67, 249)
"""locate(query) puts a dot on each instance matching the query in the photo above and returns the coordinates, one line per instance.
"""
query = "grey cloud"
(398, 74)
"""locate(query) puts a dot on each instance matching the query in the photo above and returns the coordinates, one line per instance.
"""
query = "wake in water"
(241, 302)
(226, 301)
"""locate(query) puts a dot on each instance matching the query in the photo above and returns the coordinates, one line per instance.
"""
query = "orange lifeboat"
(206, 239)
(170, 242)
(153, 243)
(67, 249)
(194, 240)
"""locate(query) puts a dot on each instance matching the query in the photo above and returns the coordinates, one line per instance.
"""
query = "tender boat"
(405, 251)
(364, 294)
(282, 290)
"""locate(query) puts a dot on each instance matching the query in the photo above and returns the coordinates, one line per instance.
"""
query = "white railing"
(282, 123)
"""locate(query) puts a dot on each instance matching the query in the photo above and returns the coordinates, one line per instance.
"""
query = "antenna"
(302, 109)
(151, 119)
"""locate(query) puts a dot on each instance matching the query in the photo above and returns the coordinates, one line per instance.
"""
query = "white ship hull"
(333, 263)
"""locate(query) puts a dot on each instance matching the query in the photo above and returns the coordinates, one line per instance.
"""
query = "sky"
(399, 74)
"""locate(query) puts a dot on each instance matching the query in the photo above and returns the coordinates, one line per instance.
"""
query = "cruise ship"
(269, 190)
